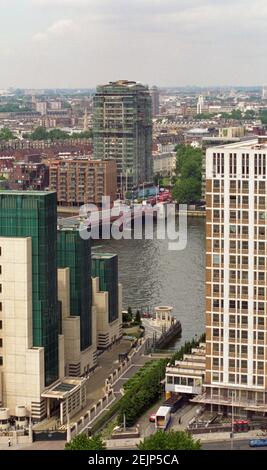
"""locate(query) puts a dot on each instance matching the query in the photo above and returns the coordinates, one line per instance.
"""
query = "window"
(233, 185)
(244, 349)
(0, 288)
(260, 335)
(1, 325)
(216, 362)
(260, 380)
(216, 259)
(1, 306)
(1, 361)
(231, 348)
(1, 342)
(232, 378)
(216, 317)
(244, 334)
(244, 379)
(232, 229)
(169, 379)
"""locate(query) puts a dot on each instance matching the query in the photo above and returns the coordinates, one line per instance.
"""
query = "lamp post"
(232, 433)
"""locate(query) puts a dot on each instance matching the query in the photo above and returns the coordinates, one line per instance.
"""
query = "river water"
(152, 275)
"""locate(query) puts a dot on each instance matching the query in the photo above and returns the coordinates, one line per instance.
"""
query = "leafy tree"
(82, 442)
(138, 317)
(58, 134)
(204, 116)
(40, 133)
(171, 440)
(187, 187)
(6, 134)
(187, 190)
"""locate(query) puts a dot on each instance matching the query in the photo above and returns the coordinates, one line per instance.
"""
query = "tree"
(6, 134)
(40, 133)
(187, 187)
(187, 191)
(82, 442)
(171, 440)
(130, 314)
(138, 317)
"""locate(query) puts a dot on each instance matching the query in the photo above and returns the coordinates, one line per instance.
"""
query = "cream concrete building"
(77, 362)
(21, 364)
(107, 333)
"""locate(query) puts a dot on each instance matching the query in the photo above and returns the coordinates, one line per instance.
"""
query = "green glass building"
(105, 267)
(122, 130)
(75, 253)
(34, 214)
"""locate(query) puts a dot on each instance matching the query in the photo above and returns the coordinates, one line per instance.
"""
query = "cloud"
(59, 29)
(156, 41)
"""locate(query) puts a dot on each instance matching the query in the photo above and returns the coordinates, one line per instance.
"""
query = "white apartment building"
(236, 278)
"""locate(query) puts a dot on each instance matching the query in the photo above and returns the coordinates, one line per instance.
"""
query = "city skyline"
(71, 36)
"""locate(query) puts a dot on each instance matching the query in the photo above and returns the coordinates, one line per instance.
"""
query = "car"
(152, 418)
(258, 443)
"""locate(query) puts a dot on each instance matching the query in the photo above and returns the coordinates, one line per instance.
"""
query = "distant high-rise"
(200, 104)
(122, 128)
(154, 92)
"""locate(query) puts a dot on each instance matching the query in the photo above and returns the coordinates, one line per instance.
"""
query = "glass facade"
(75, 253)
(34, 214)
(105, 267)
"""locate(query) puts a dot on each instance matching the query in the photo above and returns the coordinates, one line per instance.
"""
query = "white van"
(163, 417)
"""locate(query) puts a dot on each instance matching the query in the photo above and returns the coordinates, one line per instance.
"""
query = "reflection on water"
(152, 275)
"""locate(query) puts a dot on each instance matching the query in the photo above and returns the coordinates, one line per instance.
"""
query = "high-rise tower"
(236, 278)
(122, 129)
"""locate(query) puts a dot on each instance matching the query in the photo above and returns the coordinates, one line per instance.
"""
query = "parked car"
(152, 418)
(258, 443)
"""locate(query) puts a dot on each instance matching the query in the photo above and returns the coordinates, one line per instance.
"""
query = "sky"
(82, 43)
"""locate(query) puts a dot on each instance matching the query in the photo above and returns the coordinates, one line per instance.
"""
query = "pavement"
(107, 363)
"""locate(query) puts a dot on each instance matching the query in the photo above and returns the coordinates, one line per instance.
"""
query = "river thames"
(152, 275)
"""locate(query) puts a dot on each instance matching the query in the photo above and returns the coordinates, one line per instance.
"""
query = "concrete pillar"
(61, 413)
(48, 407)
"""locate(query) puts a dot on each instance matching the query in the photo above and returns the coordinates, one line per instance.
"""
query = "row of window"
(187, 381)
(239, 215)
(259, 307)
(237, 363)
(260, 262)
(237, 334)
(238, 201)
(238, 378)
(239, 320)
(259, 164)
(239, 185)
(239, 291)
(236, 349)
